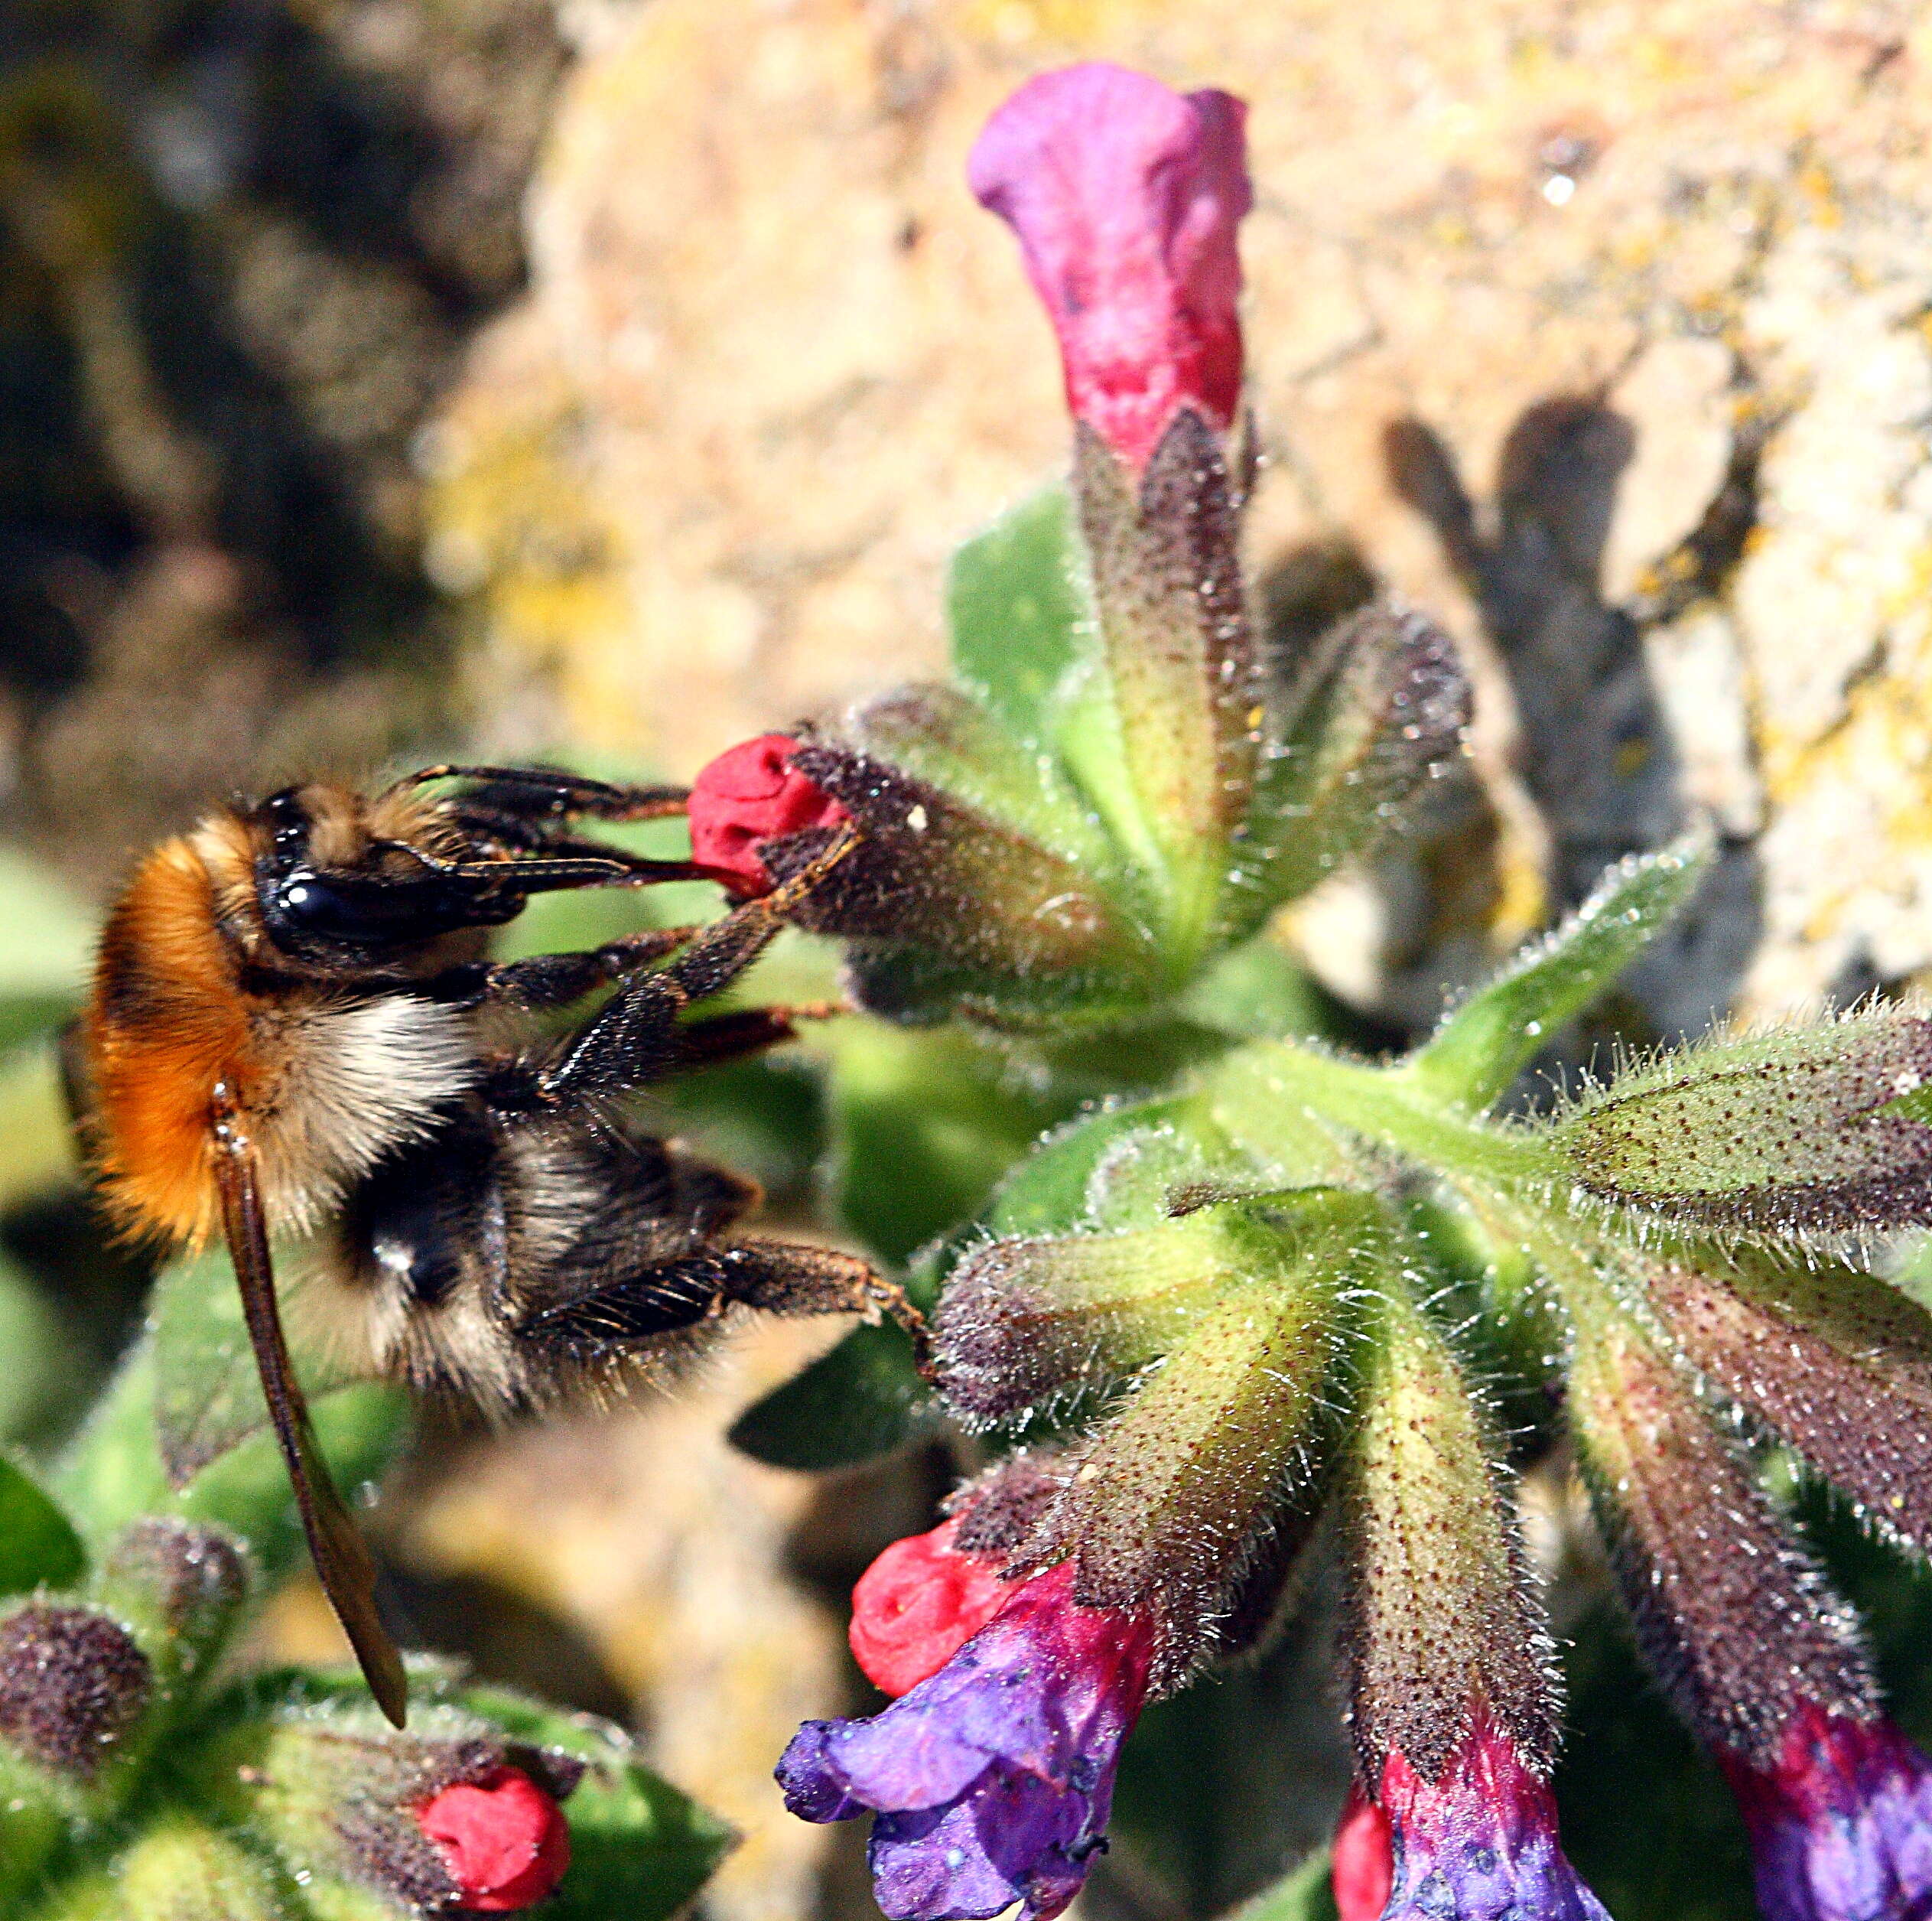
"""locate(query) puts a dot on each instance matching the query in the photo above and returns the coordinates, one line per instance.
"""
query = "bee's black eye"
(338, 911)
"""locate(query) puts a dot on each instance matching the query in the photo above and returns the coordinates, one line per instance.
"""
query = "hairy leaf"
(1481, 1046)
(1017, 605)
(1800, 1133)
(207, 1393)
(862, 1399)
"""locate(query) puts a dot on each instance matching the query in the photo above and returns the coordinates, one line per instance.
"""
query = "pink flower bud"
(1364, 1859)
(1125, 196)
(918, 1604)
(750, 794)
(504, 1840)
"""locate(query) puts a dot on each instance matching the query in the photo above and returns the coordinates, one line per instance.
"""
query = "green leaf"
(1017, 605)
(1306, 1894)
(923, 1122)
(862, 1399)
(112, 1473)
(1258, 991)
(38, 1546)
(1481, 1047)
(639, 1848)
(1049, 1191)
(207, 1392)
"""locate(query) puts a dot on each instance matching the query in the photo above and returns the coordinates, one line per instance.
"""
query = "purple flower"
(1479, 1842)
(1842, 1828)
(992, 1780)
(1126, 195)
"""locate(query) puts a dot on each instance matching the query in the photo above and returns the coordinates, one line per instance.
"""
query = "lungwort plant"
(1266, 1281)
(1214, 1297)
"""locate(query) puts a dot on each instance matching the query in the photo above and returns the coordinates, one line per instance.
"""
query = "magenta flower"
(752, 793)
(504, 1840)
(1479, 1842)
(1362, 1862)
(1841, 1829)
(992, 1780)
(919, 1604)
(1125, 196)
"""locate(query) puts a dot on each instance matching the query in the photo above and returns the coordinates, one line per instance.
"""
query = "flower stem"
(1268, 1094)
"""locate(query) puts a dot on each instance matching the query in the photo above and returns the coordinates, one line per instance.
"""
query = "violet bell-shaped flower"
(991, 1780)
(1841, 1827)
(1479, 1842)
(1126, 195)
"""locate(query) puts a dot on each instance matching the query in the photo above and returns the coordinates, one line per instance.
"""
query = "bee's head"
(331, 892)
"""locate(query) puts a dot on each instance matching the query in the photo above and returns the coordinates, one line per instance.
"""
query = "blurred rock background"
(614, 376)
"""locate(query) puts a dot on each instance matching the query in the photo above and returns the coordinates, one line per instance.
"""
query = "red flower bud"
(918, 1604)
(750, 794)
(504, 1842)
(1125, 196)
(1363, 1858)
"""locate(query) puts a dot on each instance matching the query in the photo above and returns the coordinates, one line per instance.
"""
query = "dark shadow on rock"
(1597, 755)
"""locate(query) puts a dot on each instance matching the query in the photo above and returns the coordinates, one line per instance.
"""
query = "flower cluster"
(143, 1779)
(453, 1816)
(1256, 1297)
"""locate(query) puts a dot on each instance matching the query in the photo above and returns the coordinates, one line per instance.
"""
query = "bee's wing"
(341, 1557)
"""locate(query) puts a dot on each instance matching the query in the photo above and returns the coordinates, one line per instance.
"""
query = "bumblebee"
(294, 1027)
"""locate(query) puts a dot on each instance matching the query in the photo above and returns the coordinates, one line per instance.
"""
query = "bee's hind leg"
(790, 1277)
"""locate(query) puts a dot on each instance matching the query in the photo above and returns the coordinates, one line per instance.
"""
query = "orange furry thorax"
(166, 1021)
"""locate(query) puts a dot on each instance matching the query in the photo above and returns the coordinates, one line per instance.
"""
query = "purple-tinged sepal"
(1744, 1632)
(1442, 1621)
(1840, 1822)
(1478, 1842)
(1807, 1134)
(1376, 714)
(943, 905)
(1836, 1361)
(991, 1782)
(1182, 668)
(1452, 1685)
(1732, 1615)
(350, 1806)
(73, 1683)
(1028, 1319)
(1171, 1501)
